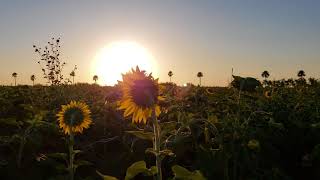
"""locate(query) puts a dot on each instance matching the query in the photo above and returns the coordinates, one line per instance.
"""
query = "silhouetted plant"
(301, 74)
(170, 74)
(50, 57)
(200, 75)
(33, 78)
(15, 75)
(73, 73)
(95, 78)
(313, 81)
(265, 75)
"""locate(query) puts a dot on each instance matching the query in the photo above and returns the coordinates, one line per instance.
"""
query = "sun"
(118, 58)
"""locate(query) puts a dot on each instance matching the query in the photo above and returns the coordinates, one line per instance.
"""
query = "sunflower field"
(142, 129)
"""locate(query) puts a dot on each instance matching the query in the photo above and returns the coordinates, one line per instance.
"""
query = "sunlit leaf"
(142, 135)
(184, 174)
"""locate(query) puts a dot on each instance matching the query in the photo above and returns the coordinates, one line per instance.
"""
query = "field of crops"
(226, 133)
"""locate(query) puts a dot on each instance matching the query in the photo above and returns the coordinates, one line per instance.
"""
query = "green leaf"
(76, 151)
(106, 177)
(183, 173)
(9, 121)
(151, 151)
(5, 139)
(166, 152)
(142, 135)
(81, 163)
(140, 167)
(167, 127)
(62, 156)
(315, 125)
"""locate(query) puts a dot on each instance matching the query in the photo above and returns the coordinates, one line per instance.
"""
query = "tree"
(200, 75)
(170, 74)
(301, 74)
(265, 75)
(32, 78)
(15, 75)
(95, 78)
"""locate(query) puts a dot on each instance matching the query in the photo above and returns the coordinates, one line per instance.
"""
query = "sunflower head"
(253, 144)
(140, 95)
(74, 117)
(267, 94)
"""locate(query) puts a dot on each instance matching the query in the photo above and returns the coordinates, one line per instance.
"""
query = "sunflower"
(267, 94)
(74, 117)
(253, 144)
(140, 95)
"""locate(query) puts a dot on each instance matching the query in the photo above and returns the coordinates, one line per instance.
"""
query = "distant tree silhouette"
(170, 74)
(32, 78)
(15, 75)
(301, 74)
(200, 75)
(95, 78)
(265, 75)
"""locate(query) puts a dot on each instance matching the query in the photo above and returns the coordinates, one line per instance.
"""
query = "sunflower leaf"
(106, 177)
(62, 156)
(183, 173)
(81, 163)
(140, 167)
(142, 135)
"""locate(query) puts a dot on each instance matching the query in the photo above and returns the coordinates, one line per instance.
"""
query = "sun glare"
(118, 58)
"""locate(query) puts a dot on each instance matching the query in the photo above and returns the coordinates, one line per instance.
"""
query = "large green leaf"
(62, 156)
(140, 167)
(81, 163)
(183, 173)
(142, 135)
(106, 177)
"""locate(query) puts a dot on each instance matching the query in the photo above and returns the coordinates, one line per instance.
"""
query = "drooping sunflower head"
(140, 95)
(74, 117)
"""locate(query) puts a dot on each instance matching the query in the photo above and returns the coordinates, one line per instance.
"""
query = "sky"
(184, 36)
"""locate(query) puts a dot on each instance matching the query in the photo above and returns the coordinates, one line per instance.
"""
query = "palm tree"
(265, 75)
(301, 74)
(32, 78)
(14, 75)
(170, 74)
(72, 74)
(200, 75)
(95, 78)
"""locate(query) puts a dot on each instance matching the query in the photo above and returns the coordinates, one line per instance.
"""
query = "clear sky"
(281, 36)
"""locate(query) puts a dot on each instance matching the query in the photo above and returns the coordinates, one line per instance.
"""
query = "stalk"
(71, 156)
(156, 144)
(21, 147)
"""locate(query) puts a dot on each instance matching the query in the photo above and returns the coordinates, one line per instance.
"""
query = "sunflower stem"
(156, 144)
(71, 156)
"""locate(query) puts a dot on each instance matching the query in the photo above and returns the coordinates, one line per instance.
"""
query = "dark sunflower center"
(73, 117)
(144, 92)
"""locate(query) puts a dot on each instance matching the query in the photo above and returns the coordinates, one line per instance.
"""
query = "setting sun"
(119, 57)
